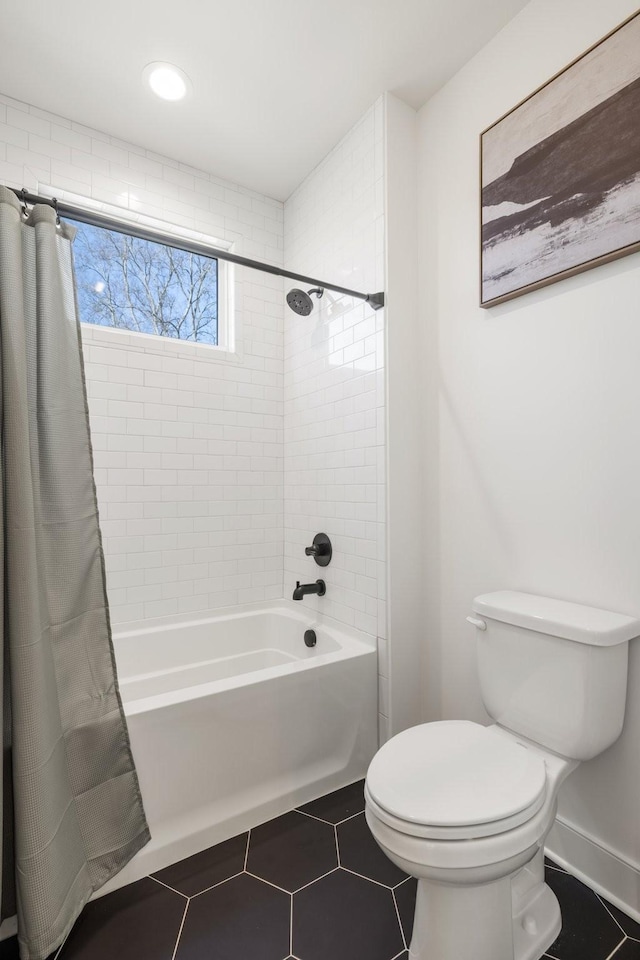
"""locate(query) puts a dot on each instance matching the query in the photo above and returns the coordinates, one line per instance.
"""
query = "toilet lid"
(457, 774)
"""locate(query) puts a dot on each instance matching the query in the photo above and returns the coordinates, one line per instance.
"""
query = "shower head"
(300, 302)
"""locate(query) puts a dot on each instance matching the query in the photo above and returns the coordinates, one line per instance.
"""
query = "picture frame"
(560, 173)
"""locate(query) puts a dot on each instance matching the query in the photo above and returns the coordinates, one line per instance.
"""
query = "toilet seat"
(455, 780)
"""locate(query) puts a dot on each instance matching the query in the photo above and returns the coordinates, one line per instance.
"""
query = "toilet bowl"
(469, 821)
(466, 808)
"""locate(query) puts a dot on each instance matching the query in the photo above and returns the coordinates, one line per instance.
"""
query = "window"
(145, 286)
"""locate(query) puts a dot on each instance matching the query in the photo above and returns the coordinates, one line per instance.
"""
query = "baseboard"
(605, 871)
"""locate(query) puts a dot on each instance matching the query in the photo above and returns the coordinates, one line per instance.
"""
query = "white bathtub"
(233, 720)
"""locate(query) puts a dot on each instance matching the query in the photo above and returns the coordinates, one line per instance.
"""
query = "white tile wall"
(334, 386)
(188, 443)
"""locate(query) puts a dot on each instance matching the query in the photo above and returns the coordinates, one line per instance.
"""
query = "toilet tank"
(555, 672)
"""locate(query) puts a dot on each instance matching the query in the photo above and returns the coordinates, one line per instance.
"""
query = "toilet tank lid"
(559, 618)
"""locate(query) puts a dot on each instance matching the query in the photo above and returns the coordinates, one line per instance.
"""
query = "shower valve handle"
(321, 550)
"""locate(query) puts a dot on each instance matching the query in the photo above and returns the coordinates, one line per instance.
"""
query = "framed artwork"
(560, 173)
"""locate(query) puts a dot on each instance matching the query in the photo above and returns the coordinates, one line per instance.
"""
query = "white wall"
(533, 426)
(405, 455)
(188, 442)
(334, 385)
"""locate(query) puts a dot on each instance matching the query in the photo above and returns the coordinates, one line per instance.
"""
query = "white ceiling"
(276, 82)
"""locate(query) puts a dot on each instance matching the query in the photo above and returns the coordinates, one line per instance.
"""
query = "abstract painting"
(560, 173)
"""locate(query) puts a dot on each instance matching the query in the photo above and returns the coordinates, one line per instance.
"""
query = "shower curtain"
(71, 806)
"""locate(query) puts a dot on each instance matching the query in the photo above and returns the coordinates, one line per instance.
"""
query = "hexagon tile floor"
(310, 885)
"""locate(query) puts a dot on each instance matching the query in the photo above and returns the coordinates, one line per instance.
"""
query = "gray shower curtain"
(71, 804)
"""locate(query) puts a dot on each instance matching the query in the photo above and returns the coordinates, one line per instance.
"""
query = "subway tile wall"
(334, 393)
(188, 440)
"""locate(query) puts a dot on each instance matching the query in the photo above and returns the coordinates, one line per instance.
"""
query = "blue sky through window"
(144, 286)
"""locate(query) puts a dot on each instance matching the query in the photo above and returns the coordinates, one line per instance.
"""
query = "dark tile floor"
(310, 885)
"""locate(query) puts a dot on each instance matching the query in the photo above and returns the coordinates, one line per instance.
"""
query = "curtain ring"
(23, 197)
(54, 204)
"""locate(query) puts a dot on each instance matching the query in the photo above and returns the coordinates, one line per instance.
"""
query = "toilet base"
(538, 926)
(492, 921)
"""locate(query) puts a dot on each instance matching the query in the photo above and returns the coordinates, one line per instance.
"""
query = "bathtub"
(233, 721)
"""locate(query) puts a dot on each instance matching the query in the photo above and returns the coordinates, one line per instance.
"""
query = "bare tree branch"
(133, 284)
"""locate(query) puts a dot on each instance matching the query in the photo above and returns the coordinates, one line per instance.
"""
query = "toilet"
(466, 808)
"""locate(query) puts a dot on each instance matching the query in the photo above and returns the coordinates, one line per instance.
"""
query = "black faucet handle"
(321, 550)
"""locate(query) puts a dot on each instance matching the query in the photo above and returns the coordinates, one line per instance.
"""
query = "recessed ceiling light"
(167, 81)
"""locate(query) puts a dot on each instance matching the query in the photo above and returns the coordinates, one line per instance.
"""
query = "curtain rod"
(375, 300)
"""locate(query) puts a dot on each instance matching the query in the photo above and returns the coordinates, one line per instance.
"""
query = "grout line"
(218, 884)
(313, 817)
(167, 887)
(184, 917)
(262, 879)
(333, 870)
(351, 816)
(338, 823)
(406, 880)
(550, 866)
(291, 928)
(335, 831)
(384, 886)
(404, 939)
(617, 923)
(615, 949)
(246, 852)
(400, 954)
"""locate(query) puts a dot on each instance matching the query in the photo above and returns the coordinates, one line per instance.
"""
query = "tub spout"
(302, 589)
